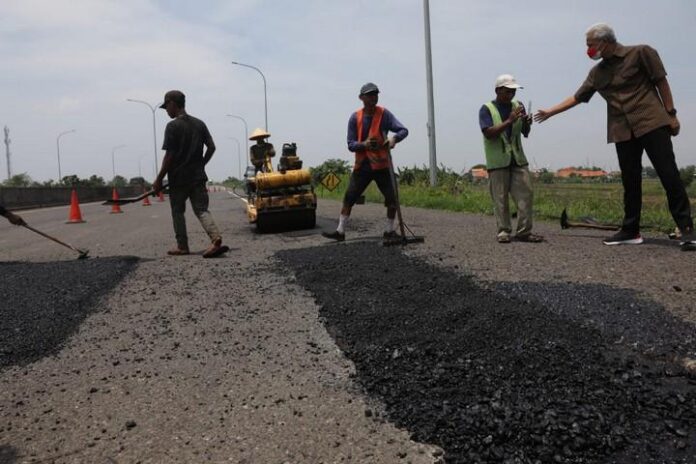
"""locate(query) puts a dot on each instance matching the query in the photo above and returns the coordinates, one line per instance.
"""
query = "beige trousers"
(198, 194)
(514, 181)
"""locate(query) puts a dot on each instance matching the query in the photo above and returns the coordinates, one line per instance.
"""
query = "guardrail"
(40, 197)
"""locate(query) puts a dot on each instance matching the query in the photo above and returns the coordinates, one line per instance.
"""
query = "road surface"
(264, 355)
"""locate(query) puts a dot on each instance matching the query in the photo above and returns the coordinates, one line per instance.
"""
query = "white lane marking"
(238, 197)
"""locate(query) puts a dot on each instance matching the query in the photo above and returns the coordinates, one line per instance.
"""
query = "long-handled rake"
(402, 239)
(82, 254)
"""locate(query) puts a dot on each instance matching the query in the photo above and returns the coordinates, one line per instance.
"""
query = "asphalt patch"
(504, 373)
(42, 304)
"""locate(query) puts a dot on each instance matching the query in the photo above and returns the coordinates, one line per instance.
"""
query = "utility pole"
(7, 151)
(431, 105)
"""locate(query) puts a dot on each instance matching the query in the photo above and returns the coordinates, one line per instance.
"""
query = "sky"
(72, 65)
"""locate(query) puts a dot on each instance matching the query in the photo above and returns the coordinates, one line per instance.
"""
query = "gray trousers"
(198, 195)
(514, 181)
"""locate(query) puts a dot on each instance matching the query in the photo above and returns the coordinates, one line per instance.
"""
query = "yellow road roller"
(279, 200)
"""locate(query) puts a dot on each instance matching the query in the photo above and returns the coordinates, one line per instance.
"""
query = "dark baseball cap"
(177, 96)
(368, 88)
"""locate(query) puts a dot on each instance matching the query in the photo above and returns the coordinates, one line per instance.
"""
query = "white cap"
(507, 80)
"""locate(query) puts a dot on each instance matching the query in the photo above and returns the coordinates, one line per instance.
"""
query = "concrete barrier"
(40, 197)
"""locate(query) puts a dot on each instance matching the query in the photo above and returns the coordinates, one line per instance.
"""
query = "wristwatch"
(672, 112)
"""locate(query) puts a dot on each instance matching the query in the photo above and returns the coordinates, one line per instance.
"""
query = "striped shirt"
(627, 82)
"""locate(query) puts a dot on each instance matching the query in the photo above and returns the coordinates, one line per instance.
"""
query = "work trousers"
(198, 195)
(658, 145)
(515, 182)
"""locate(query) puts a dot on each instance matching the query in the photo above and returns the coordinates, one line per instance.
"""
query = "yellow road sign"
(330, 181)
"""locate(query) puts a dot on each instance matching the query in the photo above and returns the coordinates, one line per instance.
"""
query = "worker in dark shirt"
(184, 165)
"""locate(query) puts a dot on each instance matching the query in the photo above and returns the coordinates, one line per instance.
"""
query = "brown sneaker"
(178, 251)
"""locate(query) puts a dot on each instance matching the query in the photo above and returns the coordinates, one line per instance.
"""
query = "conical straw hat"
(259, 134)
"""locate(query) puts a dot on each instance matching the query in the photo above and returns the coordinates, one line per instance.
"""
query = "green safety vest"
(500, 149)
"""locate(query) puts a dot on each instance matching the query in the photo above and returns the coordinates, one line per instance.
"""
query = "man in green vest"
(503, 121)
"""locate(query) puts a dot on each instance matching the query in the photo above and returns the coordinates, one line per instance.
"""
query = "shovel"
(566, 224)
(589, 223)
(125, 201)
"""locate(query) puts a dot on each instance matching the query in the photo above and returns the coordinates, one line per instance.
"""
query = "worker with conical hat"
(259, 134)
(262, 152)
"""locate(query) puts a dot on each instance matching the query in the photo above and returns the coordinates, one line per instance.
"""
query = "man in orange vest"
(367, 138)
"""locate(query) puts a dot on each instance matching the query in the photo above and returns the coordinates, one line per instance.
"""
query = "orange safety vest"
(379, 159)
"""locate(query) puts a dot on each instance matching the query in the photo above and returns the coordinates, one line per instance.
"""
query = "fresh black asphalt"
(42, 304)
(507, 372)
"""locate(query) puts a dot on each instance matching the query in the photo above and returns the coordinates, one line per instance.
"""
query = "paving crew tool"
(402, 239)
(590, 223)
(82, 254)
(587, 223)
(125, 201)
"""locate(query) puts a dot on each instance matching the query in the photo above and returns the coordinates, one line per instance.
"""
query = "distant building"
(584, 173)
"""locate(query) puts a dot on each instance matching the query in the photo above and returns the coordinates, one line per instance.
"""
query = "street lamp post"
(60, 175)
(431, 105)
(246, 131)
(154, 128)
(239, 157)
(140, 167)
(113, 162)
(265, 97)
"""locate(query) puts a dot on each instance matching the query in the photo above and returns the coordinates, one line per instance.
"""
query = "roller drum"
(274, 180)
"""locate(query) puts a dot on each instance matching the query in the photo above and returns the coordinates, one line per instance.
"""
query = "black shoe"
(623, 237)
(688, 240)
(335, 235)
(390, 235)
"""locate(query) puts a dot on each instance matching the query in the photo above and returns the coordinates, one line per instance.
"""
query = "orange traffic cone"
(115, 208)
(146, 200)
(75, 215)
(160, 196)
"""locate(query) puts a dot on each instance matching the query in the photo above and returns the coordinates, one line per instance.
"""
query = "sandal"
(216, 249)
(178, 251)
(503, 239)
(529, 238)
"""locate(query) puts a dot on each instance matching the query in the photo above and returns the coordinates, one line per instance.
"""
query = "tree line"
(24, 180)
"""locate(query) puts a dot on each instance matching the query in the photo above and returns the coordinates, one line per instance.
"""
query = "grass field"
(602, 201)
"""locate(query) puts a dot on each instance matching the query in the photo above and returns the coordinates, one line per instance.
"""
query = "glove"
(371, 144)
(390, 143)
